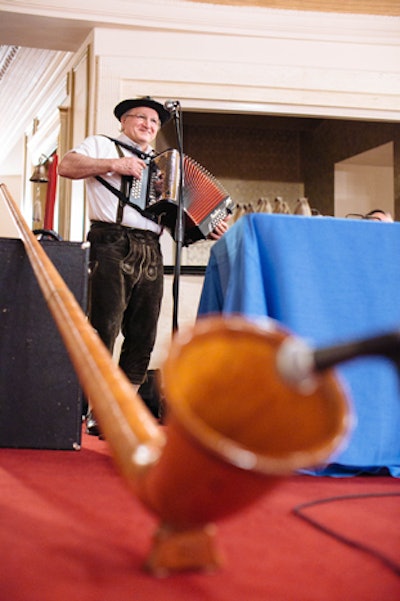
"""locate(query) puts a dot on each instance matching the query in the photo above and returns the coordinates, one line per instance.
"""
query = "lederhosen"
(126, 283)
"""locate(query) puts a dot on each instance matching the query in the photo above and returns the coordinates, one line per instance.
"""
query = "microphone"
(298, 364)
(172, 105)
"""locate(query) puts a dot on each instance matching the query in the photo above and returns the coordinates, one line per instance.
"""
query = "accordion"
(205, 201)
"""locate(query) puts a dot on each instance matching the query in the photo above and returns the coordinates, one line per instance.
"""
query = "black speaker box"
(40, 396)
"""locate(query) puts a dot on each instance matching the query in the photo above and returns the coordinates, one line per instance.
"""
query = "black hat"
(131, 103)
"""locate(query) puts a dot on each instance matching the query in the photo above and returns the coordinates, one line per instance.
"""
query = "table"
(328, 280)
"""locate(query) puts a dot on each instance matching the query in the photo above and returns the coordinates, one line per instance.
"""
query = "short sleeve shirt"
(102, 203)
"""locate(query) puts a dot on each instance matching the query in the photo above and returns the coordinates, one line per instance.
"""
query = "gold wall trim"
(368, 7)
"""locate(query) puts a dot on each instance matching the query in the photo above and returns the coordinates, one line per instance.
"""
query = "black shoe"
(92, 426)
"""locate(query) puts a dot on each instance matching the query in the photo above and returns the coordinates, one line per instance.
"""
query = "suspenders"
(123, 194)
(125, 189)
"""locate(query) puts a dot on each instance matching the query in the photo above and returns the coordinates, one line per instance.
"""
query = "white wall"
(365, 182)
(8, 228)
(11, 174)
(315, 65)
(359, 189)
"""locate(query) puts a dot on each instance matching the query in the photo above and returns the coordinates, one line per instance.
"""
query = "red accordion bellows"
(202, 190)
(205, 200)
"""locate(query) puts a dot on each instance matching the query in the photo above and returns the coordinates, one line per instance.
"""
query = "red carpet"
(70, 530)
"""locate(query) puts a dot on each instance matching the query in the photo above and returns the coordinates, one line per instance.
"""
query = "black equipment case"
(40, 396)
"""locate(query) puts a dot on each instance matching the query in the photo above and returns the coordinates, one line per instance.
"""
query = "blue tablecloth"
(329, 281)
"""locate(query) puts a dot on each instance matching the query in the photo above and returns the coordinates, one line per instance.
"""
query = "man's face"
(141, 125)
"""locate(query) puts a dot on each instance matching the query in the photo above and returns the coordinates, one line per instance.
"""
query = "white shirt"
(103, 204)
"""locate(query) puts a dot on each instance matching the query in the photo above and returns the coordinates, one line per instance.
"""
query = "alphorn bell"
(234, 427)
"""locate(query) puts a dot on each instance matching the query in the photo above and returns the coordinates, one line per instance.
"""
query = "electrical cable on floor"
(299, 511)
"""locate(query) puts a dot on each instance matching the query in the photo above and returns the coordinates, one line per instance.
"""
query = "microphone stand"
(179, 226)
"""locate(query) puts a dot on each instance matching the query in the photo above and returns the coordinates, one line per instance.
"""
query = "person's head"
(379, 215)
(141, 119)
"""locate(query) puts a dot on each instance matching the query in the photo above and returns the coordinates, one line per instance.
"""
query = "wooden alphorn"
(233, 427)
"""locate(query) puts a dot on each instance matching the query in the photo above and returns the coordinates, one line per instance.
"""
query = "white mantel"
(228, 58)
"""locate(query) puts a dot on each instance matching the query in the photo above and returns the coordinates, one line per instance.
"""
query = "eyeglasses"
(144, 118)
(366, 217)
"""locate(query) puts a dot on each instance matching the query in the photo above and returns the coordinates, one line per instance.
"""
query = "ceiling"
(66, 34)
(32, 48)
